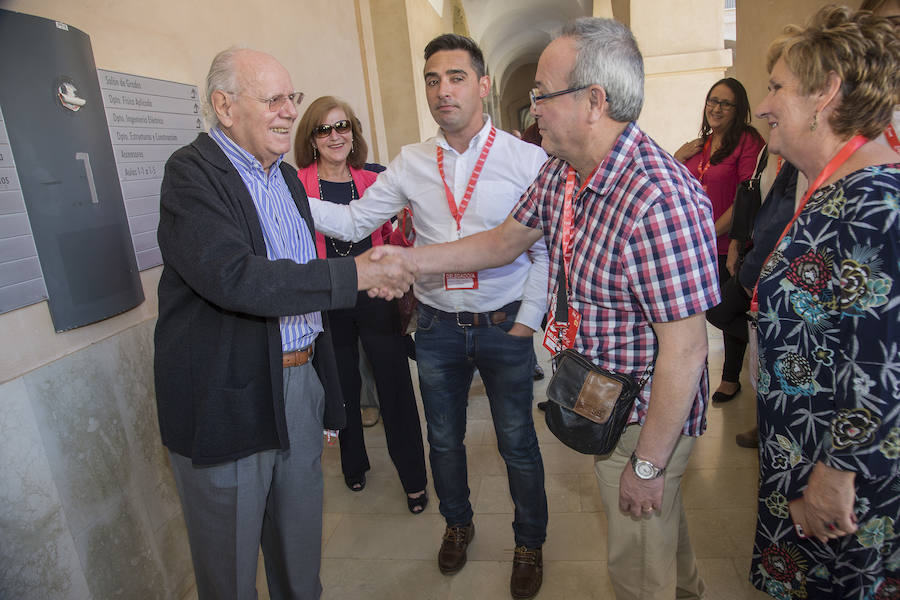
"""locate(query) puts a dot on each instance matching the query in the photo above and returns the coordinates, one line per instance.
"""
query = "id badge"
(561, 335)
(461, 281)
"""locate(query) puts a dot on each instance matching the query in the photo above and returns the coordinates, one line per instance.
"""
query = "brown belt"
(296, 358)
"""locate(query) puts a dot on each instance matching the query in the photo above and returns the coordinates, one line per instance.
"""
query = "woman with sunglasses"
(331, 152)
(724, 155)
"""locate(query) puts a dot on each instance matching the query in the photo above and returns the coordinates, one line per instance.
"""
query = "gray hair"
(608, 56)
(222, 76)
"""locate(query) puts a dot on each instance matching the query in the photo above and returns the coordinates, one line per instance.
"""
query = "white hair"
(608, 56)
(222, 76)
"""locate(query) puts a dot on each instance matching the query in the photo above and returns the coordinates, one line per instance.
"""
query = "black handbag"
(747, 200)
(589, 406)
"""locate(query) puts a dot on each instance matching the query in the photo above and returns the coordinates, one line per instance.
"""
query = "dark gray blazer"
(218, 349)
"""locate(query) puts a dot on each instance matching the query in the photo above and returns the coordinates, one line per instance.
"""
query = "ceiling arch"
(513, 33)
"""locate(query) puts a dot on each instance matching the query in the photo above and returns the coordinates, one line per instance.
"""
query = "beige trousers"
(649, 558)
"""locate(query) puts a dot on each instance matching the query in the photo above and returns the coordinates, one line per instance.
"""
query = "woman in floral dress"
(829, 320)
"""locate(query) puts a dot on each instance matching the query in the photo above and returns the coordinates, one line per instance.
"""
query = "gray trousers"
(272, 499)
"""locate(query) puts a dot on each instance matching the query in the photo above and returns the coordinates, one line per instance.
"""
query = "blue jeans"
(447, 355)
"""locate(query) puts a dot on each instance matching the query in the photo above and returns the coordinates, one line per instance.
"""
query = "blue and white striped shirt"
(284, 230)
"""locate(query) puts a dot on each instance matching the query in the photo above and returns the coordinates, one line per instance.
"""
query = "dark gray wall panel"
(66, 170)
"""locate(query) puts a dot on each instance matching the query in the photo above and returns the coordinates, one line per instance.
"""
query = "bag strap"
(562, 290)
(562, 308)
(762, 162)
(647, 372)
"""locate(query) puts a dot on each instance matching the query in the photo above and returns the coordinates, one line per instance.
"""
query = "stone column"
(684, 55)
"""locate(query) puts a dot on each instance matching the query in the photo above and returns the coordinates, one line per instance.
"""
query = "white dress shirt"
(413, 178)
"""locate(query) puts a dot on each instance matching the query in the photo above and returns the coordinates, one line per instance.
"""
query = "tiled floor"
(374, 549)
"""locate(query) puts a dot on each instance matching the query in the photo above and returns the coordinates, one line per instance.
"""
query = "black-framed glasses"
(275, 103)
(323, 131)
(724, 104)
(536, 96)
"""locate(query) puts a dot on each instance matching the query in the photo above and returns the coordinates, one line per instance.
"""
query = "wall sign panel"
(77, 129)
(148, 120)
(56, 125)
(21, 282)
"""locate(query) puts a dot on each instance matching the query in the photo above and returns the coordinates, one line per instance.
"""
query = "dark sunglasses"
(323, 131)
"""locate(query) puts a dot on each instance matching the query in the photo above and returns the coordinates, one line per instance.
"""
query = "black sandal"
(356, 484)
(417, 505)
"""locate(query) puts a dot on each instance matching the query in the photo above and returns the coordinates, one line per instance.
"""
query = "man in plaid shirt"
(640, 272)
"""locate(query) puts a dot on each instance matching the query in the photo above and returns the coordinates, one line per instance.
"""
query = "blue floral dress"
(829, 389)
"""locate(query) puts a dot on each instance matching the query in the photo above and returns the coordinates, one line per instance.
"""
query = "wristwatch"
(644, 469)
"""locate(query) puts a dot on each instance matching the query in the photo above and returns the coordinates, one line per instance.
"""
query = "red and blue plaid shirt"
(644, 251)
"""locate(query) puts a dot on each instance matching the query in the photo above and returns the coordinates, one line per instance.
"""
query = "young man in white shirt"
(463, 181)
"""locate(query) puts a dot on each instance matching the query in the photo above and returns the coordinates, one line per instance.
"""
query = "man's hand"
(829, 497)
(521, 330)
(387, 274)
(639, 497)
(379, 253)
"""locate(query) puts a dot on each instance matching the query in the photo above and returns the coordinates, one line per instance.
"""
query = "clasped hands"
(386, 271)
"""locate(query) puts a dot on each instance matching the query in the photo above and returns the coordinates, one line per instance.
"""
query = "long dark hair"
(739, 125)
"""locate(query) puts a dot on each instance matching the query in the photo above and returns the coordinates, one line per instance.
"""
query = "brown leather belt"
(296, 358)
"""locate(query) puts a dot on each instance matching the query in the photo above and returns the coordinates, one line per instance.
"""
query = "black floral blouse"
(829, 389)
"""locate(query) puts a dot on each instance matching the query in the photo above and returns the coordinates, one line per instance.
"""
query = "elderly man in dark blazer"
(244, 368)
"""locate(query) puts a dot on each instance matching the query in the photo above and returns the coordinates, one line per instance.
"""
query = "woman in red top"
(724, 155)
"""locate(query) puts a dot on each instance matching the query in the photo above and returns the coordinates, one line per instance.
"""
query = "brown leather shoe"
(452, 555)
(527, 573)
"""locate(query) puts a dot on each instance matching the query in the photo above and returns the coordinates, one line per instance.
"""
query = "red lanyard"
(404, 219)
(473, 179)
(778, 166)
(702, 168)
(891, 136)
(568, 219)
(832, 166)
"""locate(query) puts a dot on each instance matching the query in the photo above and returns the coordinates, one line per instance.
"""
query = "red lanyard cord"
(833, 165)
(457, 212)
(702, 168)
(568, 221)
(891, 134)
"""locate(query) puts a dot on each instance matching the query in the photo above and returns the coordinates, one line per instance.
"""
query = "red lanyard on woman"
(891, 134)
(702, 168)
(846, 152)
(473, 179)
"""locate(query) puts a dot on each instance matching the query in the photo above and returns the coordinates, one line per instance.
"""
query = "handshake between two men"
(386, 271)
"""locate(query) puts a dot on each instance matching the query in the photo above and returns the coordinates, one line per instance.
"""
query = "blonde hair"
(863, 50)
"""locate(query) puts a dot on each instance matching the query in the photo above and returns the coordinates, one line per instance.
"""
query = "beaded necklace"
(353, 196)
